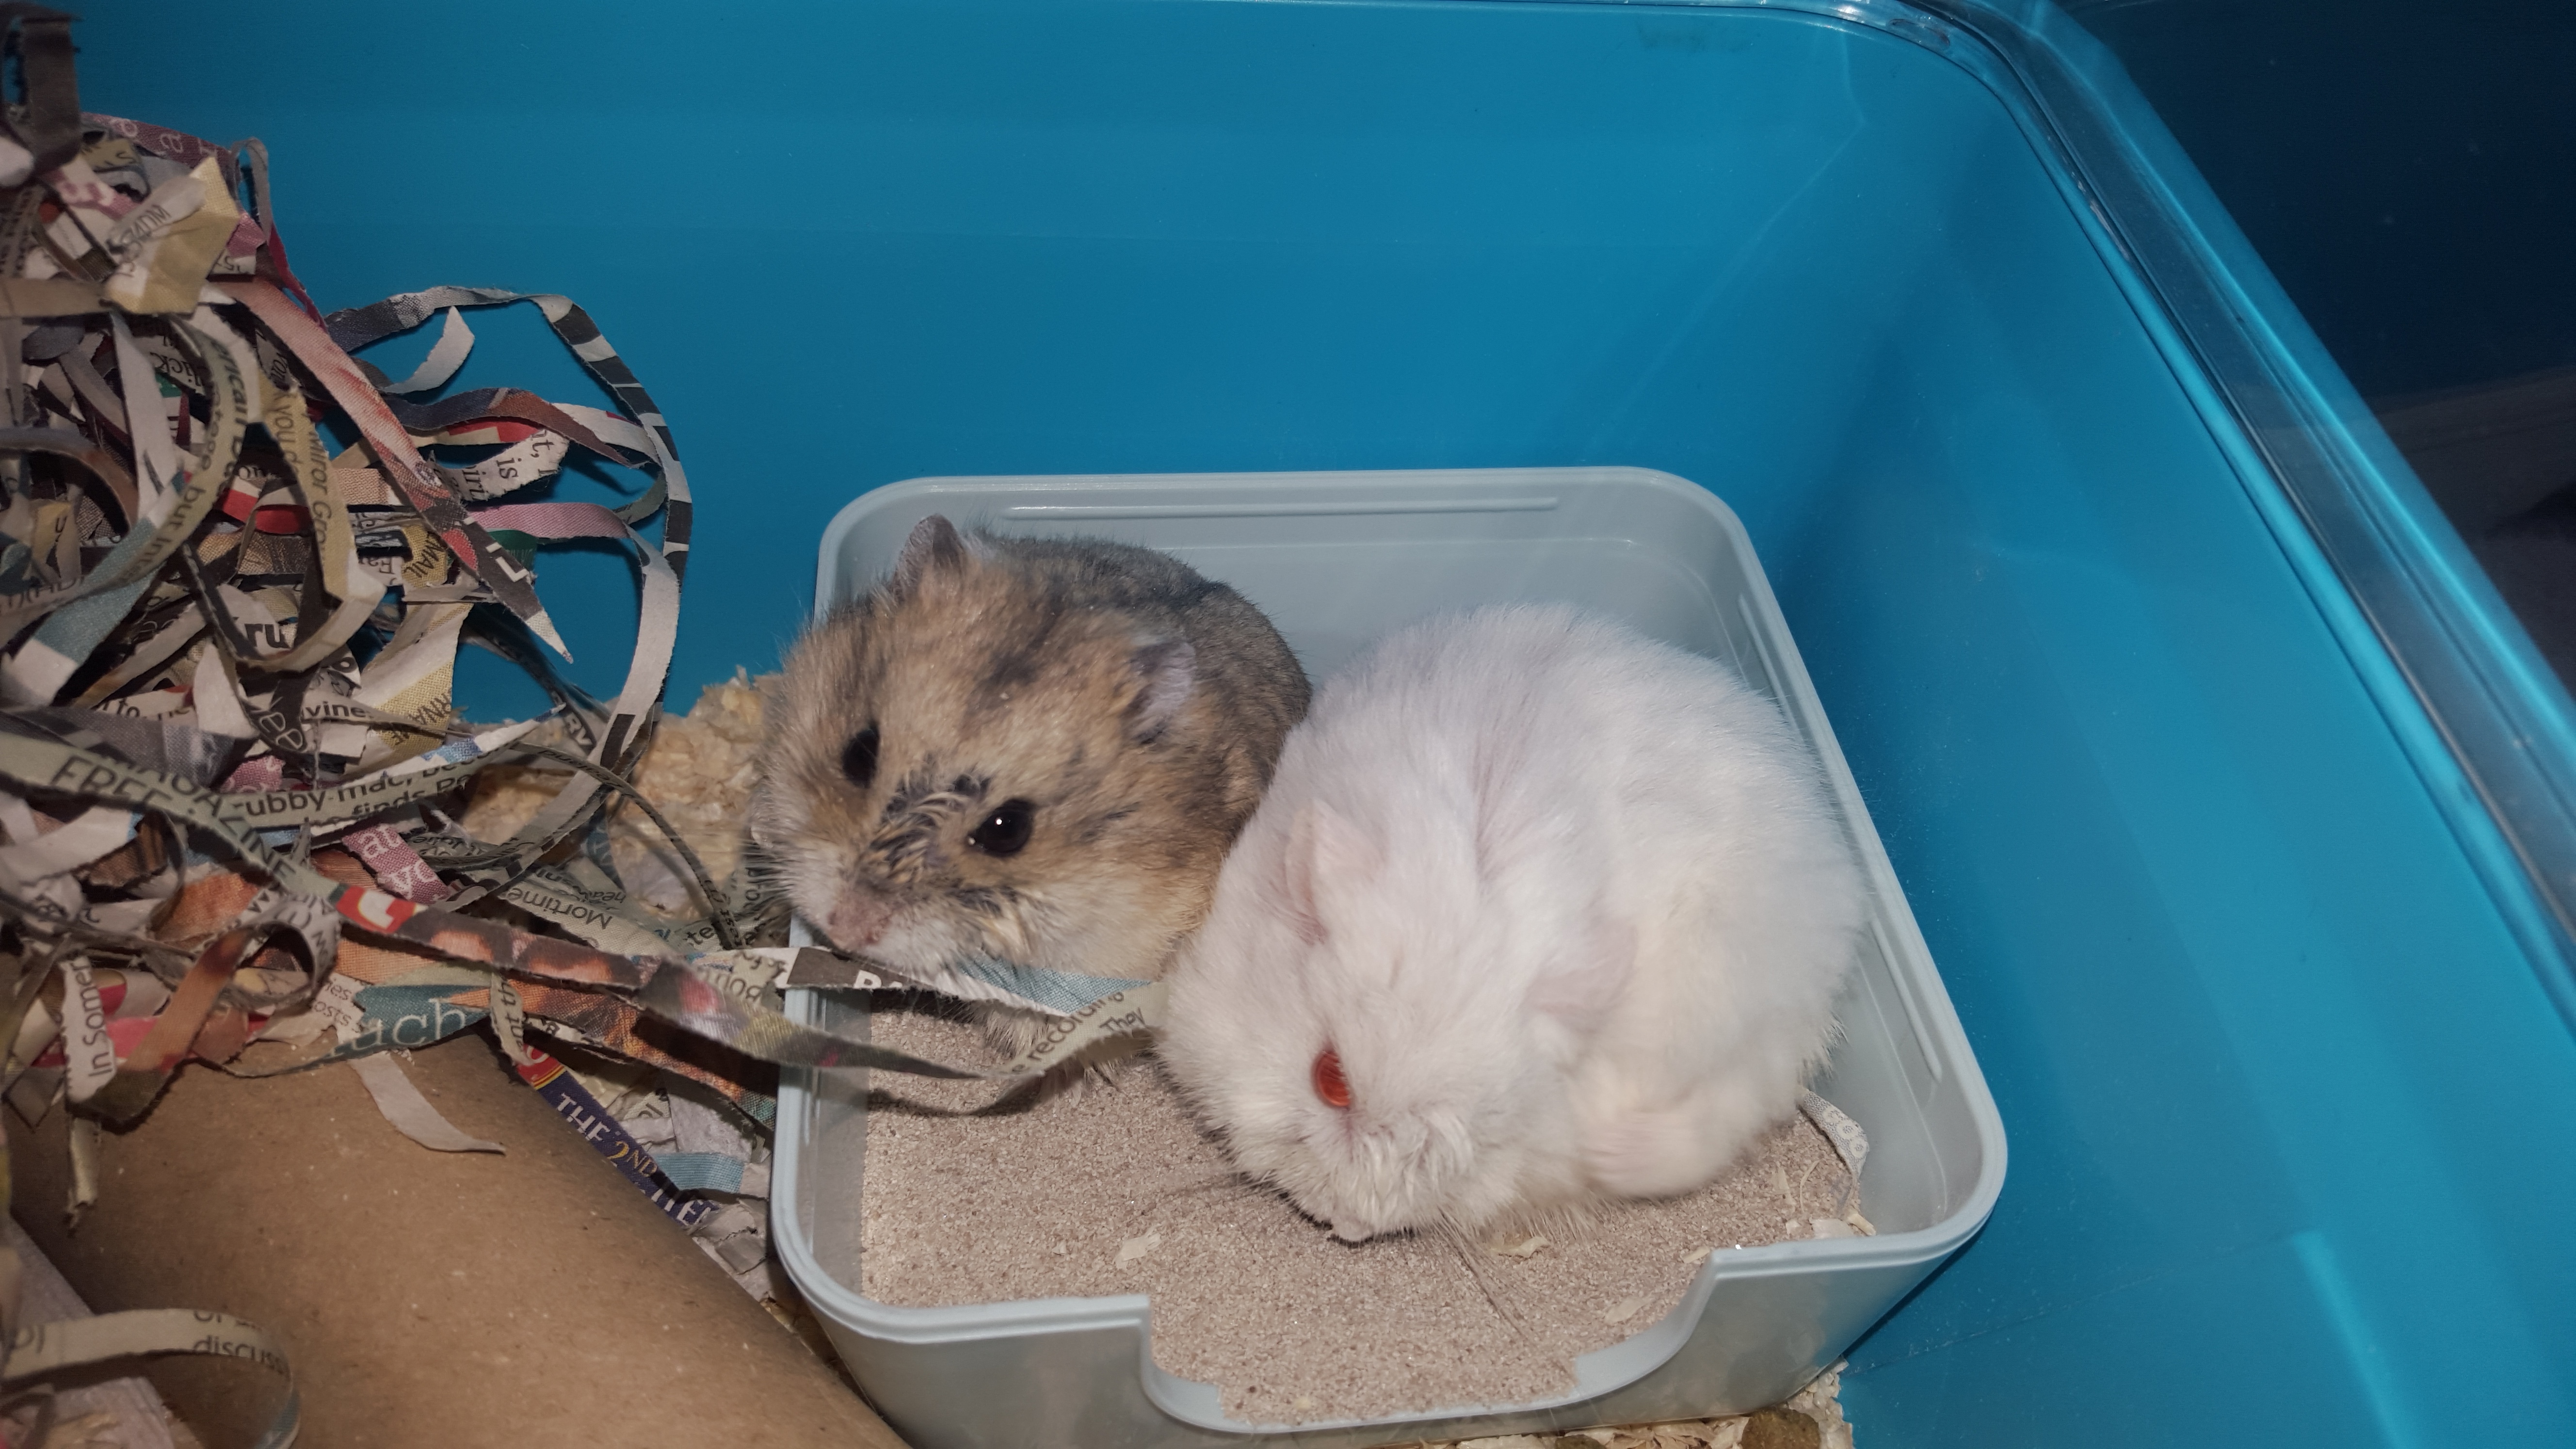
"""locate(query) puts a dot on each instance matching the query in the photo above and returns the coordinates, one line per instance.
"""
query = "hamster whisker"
(1098, 1070)
(1003, 916)
(920, 805)
(901, 856)
(1217, 1183)
(1020, 919)
(1468, 1251)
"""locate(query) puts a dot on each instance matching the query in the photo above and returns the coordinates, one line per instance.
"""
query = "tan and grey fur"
(1136, 707)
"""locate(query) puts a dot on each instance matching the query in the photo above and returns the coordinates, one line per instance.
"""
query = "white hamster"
(1536, 912)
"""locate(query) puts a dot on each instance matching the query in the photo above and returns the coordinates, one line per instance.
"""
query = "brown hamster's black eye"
(1005, 830)
(859, 757)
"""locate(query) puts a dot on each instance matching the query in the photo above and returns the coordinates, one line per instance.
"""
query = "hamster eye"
(859, 757)
(1331, 1087)
(1006, 830)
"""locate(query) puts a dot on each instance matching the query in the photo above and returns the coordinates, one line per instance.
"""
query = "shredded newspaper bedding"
(241, 821)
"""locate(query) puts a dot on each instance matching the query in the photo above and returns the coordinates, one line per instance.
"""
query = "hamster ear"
(933, 546)
(1164, 669)
(1579, 992)
(1297, 878)
(1326, 855)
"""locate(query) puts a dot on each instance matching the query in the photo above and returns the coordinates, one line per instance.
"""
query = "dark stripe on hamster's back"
(1090, 831)
(1013, 669)
(1105, 566)
(1020, 664)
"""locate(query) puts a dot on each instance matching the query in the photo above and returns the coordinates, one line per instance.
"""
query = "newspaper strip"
(693, 996)
(1849, 1142)
(595, 1125)
(402, 1104)
(89, 1057)
(43, 1349)
(418, 481)
(231, 766)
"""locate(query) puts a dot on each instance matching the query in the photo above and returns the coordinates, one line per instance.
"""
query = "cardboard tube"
(425, 1298)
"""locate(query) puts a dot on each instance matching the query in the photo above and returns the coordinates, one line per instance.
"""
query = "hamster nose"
(858, 918)
(1351, 1232)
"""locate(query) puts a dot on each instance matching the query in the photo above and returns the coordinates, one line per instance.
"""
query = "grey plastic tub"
(1337, 559)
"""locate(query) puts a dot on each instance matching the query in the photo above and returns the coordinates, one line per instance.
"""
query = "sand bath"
(1116, 1191)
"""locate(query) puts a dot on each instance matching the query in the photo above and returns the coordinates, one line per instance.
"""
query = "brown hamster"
(1037, 750)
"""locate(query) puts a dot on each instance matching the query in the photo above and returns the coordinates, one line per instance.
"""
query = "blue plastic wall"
(2291, 1121)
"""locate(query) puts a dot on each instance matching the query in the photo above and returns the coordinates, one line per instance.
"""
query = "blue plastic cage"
(2228, 799)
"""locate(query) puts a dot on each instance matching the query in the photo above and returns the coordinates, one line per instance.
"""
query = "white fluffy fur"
(1569, 904)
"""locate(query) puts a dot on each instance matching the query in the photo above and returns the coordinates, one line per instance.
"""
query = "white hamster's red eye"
(1330, 1086)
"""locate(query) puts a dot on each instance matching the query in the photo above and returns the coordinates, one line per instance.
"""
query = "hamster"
(1537, 913)
(1036, 750)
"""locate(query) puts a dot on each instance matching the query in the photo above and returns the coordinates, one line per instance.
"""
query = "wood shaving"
(506, 797)
(1815, 1409)
(700, 772)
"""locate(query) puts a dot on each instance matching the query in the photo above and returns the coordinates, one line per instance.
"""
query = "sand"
(1116, 1191)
